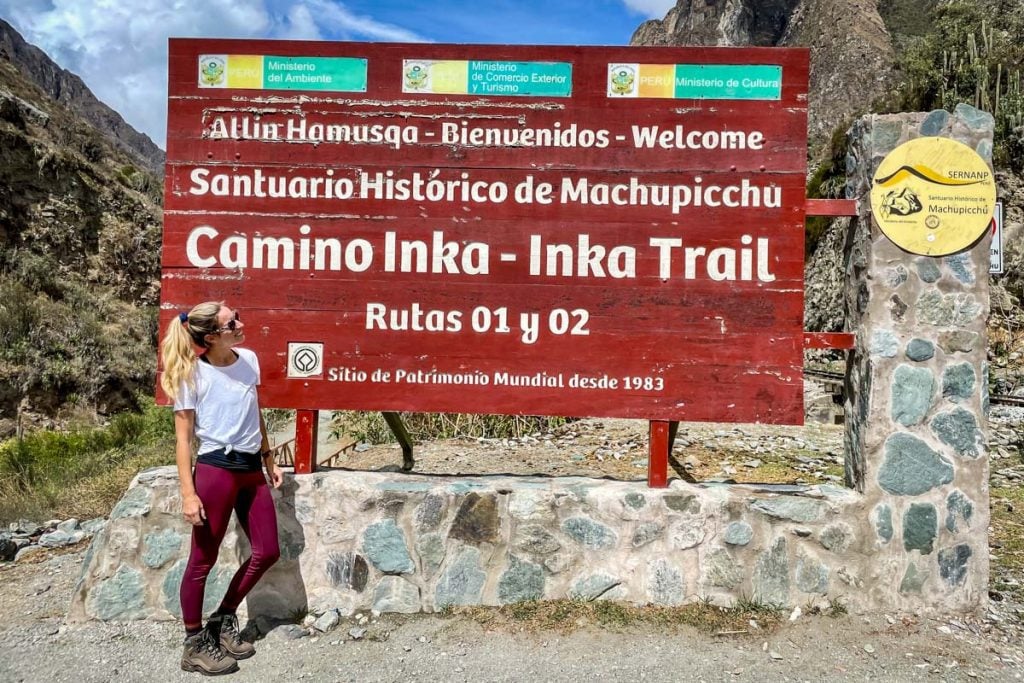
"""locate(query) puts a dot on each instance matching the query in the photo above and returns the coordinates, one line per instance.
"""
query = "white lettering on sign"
(207, 247)
(439, 256)
(466, 133)
(257, 184)
(283, 65)
(428, 187)
(276, 126)
(415, 318)
(299, 129)
(679, 138)
(583, 260)
(720, 263)
(677, 197)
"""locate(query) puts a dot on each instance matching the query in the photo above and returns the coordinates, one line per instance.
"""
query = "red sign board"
(520, 230)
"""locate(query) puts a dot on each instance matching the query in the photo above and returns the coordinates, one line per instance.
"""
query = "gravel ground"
(618, 448)
(36, 645)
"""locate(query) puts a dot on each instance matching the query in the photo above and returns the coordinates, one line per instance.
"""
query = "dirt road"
(37, 645)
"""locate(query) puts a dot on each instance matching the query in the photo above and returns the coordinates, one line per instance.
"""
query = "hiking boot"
(202, 654)
(225, 628)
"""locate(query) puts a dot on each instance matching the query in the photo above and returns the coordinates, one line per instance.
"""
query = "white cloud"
(300, 25)
(119, 47)
(349, 25)
(653, 9)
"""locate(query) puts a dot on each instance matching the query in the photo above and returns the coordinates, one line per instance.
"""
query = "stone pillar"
(917, 388)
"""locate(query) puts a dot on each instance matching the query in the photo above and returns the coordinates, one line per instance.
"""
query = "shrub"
(370, 426)
(974, 53)
(50, 472)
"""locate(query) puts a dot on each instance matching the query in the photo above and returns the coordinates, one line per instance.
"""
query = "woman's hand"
(275, 476)
(195, 514)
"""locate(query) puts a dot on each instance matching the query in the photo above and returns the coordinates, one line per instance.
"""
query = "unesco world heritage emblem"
(305, 359)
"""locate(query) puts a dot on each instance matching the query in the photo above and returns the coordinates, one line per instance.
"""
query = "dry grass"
(565, 616)
(370, 426)
(1006, 504)
(80, 473)
(86, 498)
(96, 496)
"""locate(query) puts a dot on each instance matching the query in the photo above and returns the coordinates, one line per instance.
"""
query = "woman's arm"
(276, 478)
(184, 431)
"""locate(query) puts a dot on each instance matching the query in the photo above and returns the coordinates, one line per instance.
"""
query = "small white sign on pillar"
(996, 250)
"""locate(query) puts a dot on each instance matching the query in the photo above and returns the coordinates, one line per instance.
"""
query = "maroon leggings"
(222, 491)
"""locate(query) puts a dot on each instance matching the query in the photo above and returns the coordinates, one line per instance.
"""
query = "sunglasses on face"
(231, 325)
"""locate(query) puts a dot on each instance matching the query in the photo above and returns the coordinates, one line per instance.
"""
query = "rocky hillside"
(68, 89)
(852, 53)
(79, 260)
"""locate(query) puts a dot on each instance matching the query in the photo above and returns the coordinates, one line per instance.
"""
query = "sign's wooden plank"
(725, 310)
(384, 73)
(485, 252)
(709, 139)
(374, 190)
(775, 396)
(831, 207)
(500, 334)
(829, 340)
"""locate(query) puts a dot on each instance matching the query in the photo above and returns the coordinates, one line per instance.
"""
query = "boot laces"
(211, 646)
(229, 627)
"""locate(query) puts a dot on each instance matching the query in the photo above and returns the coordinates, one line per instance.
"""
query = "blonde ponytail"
(177, 350)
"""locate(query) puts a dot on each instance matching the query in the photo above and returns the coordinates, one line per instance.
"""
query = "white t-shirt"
(224, 398)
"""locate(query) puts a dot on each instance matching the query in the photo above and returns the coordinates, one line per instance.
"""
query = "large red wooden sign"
(522, 230)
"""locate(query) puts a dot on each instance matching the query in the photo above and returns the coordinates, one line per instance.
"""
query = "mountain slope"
(68, 89)
(80, 226)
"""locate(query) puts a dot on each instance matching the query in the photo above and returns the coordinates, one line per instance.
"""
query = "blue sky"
(119, 47)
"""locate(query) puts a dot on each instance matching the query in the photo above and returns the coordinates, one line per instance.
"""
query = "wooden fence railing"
(284, 453)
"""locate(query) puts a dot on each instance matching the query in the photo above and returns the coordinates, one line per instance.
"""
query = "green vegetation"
(82, 472)
(973, 53)
(131, 177)
(370, 427)
(61, 339)
(836, 608)
(79, 266)
(827, 182)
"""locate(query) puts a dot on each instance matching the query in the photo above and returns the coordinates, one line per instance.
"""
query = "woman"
(215, 402)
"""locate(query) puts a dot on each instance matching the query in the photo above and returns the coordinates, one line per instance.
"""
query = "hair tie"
(183, 317)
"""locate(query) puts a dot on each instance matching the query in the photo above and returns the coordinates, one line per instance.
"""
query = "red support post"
(657, 459)
(306, 422)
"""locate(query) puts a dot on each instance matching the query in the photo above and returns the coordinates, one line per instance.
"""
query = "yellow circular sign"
(933, 196)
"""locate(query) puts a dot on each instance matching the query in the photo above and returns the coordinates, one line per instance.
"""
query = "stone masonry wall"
(916, 387)
(410, 543)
